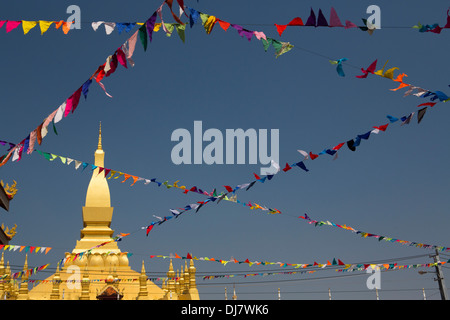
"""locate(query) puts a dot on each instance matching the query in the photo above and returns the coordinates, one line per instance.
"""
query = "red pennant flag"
(340, 263)
(287, 168)
(313, 156)
(152, 256)
(431, 104)
(297, 21)
(225, 25)
(107, 171)
(229, 189)
(149, 228)
(339, 146)
(280, 28)
(188, 256)
(370, 69)
(256, 176)
(383, 127)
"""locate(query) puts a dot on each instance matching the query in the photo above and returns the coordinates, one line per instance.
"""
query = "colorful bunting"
(371, 235)
(30, 249)
(250, 263)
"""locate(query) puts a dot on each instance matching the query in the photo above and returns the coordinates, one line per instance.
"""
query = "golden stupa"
(104, 273)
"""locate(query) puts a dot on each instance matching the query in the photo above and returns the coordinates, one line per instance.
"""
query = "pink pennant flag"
(72, 102)
(334, 19)
(349, 24)
(10, 25)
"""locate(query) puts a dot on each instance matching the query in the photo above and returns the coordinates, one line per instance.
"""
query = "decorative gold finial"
(100, 137)
(9, 190)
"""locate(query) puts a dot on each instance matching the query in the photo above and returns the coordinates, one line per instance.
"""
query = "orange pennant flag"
(135, 179)
(127, 176)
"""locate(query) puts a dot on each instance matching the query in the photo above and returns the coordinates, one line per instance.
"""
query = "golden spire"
(143, 293)
(100, 137)
(23, 289)
(98, 190)
(54, 295)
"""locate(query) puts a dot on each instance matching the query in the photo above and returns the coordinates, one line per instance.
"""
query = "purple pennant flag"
(248, 34)
(321, 21)
(311, 20)
(243, 32)
(150, 24)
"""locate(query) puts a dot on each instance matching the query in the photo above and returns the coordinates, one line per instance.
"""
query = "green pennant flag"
(334, 262)
(266, 43)
(143, 36)
(169, 27)
(44, 154)
(180, 30)
(285, 47)
(54, 128)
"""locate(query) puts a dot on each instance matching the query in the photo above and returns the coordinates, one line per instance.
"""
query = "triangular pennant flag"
(334, 19)
(370, 69)
(311, 19)
(285, 47)
(321, 21)
(280, 28)
(28, 25)
(297, 21)
(349, 24)
(420, 114)
(143, 36)
(11, 25)
(223, 24)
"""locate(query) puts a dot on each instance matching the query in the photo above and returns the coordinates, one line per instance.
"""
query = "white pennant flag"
(304, 153)
(109, 27)
(97, 24)
(77, 164)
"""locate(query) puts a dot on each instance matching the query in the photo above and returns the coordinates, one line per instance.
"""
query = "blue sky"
(395, 184)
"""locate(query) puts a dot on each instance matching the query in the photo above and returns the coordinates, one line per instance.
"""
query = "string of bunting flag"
(250, 263)
(372, 235)
(26, 249)
(347, 268)
(312, 267)
(313, 20)
(335, 22)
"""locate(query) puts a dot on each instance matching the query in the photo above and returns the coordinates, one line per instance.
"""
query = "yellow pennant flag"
(209, 24)
(44, 25)
(28, 25)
